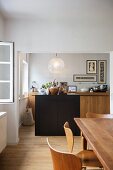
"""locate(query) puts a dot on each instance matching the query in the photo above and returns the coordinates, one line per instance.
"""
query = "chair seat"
(89, 158)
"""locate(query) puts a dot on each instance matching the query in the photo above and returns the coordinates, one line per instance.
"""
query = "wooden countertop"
(93, 93)
(81, 93)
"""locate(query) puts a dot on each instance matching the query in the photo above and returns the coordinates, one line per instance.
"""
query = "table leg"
(84, 143)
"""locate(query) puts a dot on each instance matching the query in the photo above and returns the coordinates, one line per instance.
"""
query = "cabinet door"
(94, 103)
(6, 72)
(46, 115)
(100, 104)
(84, 105)
(68, 108)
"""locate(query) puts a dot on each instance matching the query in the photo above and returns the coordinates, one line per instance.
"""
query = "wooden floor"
(32, 152)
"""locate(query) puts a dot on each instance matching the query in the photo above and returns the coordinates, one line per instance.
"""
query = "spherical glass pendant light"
(56, 65)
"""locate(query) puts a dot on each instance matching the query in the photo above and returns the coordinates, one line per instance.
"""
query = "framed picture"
(72, 88)
(84, 78)
(102, 71)
(91, 66)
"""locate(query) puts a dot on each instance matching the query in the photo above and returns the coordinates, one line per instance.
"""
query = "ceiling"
(55, 9)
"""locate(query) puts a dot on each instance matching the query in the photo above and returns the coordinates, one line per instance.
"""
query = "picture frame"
(72, 88)
(102, 71)
(84, 78)
(91, 66)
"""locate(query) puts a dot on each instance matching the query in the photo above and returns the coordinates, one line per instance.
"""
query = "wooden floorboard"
(32, 152)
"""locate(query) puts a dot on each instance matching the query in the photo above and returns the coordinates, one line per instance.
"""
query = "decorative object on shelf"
(53, 90)
(103, 87)
(102, 71)
(50, 84)
(56, 65)
(34, 86)
(63, 86)
(72, 88)
(91, 66)
(47, 85)
(100, 88)
(84, 78)
(50, 88)
(42, 91)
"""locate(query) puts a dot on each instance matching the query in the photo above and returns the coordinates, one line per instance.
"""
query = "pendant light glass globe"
(56, 65)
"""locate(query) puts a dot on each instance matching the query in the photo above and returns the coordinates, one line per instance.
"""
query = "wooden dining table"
(99, 134)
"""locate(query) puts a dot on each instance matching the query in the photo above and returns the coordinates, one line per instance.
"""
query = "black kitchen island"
(52, 111)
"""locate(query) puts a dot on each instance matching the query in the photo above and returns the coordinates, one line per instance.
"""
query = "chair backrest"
(64, 161)
(95, 115)
(69, 136)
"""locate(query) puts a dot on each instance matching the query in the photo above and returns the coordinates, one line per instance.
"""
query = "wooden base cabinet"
(51, 112)
(96, 102)
(31, 102)
(3, 130)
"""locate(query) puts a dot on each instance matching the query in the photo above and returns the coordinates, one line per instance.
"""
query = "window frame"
(11, 79)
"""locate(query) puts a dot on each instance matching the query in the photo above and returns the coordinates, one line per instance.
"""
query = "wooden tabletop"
(99, 133)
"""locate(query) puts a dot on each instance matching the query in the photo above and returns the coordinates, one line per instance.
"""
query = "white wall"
(1, 36)
(85, 34)
(74, 64)
(62, 36)
(11, 109)
(1, 28)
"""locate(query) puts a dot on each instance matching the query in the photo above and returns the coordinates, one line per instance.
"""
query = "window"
(25, 79)
(23, 74)
(6, 72)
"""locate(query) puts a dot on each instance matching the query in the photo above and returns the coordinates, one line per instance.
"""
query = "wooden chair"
(95, 115)
(88, 157)
(64, 161)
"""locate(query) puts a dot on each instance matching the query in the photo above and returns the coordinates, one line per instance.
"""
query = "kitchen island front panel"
(51, 112)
